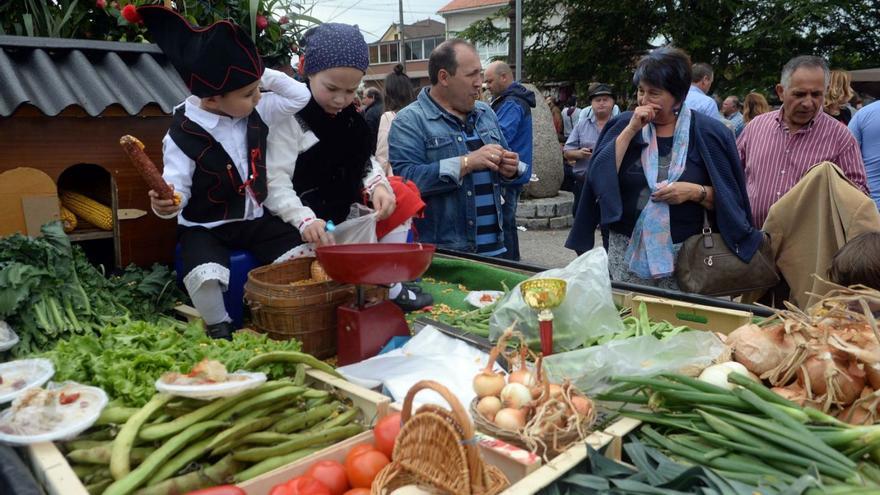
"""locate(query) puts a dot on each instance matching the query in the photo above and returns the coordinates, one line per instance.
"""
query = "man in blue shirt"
(513, 105)
(578, 148)
(697, 98)
(451, 146)
(732, 111)
(865, 126)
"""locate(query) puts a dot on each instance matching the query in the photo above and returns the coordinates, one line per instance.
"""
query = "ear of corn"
(68, 219)
(88, 209)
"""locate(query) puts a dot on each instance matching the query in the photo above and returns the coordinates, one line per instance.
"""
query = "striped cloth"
(489, 240)
(775, 160)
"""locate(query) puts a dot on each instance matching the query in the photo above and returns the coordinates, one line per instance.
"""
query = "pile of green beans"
(154, 450)
(749, 433)
(475, 321)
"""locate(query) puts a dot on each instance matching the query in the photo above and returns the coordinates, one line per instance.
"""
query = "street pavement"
(545, 248)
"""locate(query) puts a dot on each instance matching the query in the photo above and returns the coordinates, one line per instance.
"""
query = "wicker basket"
(303, 312)
(436, 451)
(548, 446)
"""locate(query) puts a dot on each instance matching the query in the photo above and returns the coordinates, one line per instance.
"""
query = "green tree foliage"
(746, 41)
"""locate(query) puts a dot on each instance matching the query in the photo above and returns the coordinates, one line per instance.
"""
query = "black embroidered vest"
(218, 191)
(329, 176)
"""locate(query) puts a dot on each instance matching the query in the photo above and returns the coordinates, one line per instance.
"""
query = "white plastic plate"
(34, 373)
(81, 415)
(474, 297)
(214, 390)
(9, 343)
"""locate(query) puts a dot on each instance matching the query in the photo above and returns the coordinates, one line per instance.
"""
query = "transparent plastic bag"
(358, 228)
(591, 368)
(587, 311)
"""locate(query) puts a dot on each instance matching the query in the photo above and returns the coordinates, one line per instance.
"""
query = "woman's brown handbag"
(706, 266)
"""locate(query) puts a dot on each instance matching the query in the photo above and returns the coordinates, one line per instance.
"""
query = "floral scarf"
(650, 253)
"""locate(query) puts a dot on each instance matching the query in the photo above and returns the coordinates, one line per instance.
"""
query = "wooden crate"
(52, 470)
(695, 316)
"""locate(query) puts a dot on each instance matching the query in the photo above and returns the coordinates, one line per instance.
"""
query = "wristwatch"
(702, 194)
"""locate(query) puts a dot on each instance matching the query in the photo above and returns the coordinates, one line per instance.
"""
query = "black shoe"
(414, 303)
(416, 288)
(222, 330)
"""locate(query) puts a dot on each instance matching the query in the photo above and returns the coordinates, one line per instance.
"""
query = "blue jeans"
(508, 222)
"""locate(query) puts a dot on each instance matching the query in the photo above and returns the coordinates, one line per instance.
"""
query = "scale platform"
(363, 328)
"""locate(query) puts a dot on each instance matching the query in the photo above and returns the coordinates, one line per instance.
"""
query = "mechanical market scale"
(364, 327)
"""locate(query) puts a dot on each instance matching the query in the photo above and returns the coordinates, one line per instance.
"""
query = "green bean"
(173, 445)
(339, 419)
(115, 415)
(291, 357)
(273, 463)
(317, 402)
(266, 438)
(282, 394)
(215, 474)
(120, 454)
(83, 470)
(180, 461)
(302, 441)
(315, 393)
(271, 410)
(85, 444)
(299, 376)
(240, 429)
(305, 419)
(102, 455)
(99, 487)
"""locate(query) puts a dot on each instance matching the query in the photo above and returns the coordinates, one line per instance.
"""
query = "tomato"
(363, 468)
(386, 432)
(358, 491)
(301, 485)
(358, 450)
(219, 490)
(331, 474)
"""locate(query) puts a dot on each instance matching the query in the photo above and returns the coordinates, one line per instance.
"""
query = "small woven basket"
(547, 446)
(436, 451)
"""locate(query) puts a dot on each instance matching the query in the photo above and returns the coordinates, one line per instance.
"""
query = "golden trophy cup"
(542, 295)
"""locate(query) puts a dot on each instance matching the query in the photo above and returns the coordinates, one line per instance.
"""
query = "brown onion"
(488, 407)
(820, 367)
(872, 373)
(487, 382)
(582, 406)
(510, 419)
(760, 349)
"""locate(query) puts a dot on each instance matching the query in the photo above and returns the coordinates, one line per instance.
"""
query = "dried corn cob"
(134, 148)
(68, 219)
(88, 209)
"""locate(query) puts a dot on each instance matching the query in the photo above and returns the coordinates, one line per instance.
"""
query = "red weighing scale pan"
(362, 329)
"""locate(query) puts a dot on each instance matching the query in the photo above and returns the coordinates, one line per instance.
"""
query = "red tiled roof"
(469, 4)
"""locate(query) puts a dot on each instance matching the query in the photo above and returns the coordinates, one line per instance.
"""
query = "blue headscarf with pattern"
(335, 45)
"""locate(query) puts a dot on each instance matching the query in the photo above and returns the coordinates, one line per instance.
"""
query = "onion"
(793, 393)
(717, 375)
(522, 376)
(582, 406)
(487, 382)
(488, 407)
(511, 419)
(872, 372)
(760, 350)
(515, 395)
(823, 368)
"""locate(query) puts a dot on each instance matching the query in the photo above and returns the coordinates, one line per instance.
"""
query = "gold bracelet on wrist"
(465, 163)
(703, 193)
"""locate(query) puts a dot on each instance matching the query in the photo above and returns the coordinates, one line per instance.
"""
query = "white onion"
(523, 376)
(510, 419)
(734, 366)
(486, 384)
(717, 375)
(515, 395)
(488, 407)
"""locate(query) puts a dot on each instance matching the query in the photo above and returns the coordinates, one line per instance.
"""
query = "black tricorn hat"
(212, 60)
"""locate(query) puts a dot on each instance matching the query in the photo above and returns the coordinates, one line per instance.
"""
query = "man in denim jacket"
(451, 146)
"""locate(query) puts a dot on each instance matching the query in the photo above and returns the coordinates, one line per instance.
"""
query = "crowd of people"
(274, 172)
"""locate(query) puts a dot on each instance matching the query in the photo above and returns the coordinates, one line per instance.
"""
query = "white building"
(459, 14)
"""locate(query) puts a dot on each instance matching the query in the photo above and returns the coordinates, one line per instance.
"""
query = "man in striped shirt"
(777, 148)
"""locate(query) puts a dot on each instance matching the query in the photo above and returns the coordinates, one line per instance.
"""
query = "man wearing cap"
(214, 155)
(578, 148)
(451, 146)
(513, 105)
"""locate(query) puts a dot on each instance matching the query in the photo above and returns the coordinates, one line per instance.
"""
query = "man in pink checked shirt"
(777, 148)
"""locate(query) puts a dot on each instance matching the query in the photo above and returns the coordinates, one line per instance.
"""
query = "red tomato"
(358, 491)
(301, 485)
(386, 432)
(358, 450)
(219, 490)
(362, 469)
(331, 474)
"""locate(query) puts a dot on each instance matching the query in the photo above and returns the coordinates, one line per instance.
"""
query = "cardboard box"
(695, 316)
(54, 472)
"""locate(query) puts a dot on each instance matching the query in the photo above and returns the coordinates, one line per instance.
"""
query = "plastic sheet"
(358, 228)
(8, 337)
(587, 311)
(590, 369)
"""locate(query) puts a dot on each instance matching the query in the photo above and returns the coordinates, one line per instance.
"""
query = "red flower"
(130, 14)
(101, 4)
(283, 20)
(262, 22)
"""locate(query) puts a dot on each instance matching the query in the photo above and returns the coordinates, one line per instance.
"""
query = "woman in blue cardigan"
(657, 172)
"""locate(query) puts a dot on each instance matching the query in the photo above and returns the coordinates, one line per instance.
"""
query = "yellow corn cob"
(68, 219)
(88, 209)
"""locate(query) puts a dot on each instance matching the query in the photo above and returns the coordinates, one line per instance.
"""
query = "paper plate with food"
(208, 380)
(483, 298)
(57, 412)
(8, 337)
(19, 376)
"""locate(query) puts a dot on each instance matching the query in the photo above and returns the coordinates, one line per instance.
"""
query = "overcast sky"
(374, 16)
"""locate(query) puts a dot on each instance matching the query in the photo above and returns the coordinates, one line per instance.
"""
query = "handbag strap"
(708, 241)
